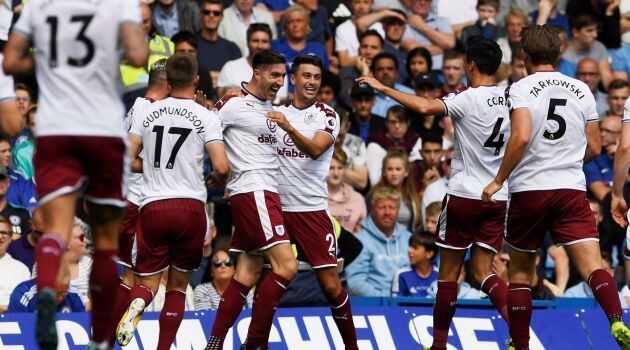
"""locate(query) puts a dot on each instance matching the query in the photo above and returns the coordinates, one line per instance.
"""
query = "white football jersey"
(482, 128)
(77, 55)
(560, 108)
(7, 91)
(250, 142)
(174, 135)
(626, 111)
(135, 180)
(302, 181)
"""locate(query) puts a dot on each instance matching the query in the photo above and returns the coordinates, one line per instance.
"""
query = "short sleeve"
(135, 125)
(626, 111)
(222, 111)
(213, 132)
(130, 12)
(592, 172)
(7, 91)
(516, 98)
(455, 105)
(588, 107)
(329, 122)
(24, 25)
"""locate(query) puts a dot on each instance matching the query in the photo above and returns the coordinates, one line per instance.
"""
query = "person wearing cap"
(19, 218)
(363, 122)
(394, 30)
(427, 86)
(385, 70)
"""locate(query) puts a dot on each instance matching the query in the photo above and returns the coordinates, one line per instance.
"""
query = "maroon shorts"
(258, 222)
(97, 165)
(314, 236)
(565, 214)
(126, 238)
(465, 221)
(172, 234)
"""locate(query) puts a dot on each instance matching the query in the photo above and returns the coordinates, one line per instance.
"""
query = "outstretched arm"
(420, 105)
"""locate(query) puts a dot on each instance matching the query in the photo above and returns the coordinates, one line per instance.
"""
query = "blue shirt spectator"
(24, 299)
(408, 283)
(384, 103)
(274, 5)
(311, 48)
(599, 169)
(441, 24)
(415, 281)
(621, 60)
(22, 192)
(23, 249)
(561, 20)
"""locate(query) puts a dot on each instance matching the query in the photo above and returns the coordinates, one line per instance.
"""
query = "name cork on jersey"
(302, 181)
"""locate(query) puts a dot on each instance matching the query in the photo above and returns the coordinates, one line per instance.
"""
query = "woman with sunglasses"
(215, 280)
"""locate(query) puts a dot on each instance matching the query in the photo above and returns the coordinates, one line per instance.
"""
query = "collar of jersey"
(301, 109)
(246, 92)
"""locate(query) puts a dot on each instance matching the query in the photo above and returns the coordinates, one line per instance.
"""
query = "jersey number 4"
(85, 20)
(500, 142)
(159, 130)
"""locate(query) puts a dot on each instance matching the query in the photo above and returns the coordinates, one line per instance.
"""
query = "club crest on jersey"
(280, 230)
(287, 140)
(309, 117)
(272, 125)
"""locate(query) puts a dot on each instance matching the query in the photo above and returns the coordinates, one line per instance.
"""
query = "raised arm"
(134, 43)
(420, 105)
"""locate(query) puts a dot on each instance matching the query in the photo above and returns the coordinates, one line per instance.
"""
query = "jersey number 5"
(159, 130)
(53, 21)
(551, 115)
(500, 142)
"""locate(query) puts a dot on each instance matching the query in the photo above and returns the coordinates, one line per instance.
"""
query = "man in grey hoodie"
(385, 247)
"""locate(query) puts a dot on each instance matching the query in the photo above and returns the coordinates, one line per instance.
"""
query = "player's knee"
(479, 274)
(331, 288)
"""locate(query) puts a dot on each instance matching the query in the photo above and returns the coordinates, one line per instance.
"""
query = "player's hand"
(363, 65)
(619, 210)
(214, 181)
(544, 7)
(201, 99)
(280, 119)
(490, 190)
(375, 84)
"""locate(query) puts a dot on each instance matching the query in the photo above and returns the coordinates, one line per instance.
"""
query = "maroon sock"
(443, 311)
(230, 307)
(171, 317)
(519, 303)
(142, 292)
(342, 314)
(605, 291)
(269, 295)
(48, 258)
(122, 301)
(103, 288)
(496, 289)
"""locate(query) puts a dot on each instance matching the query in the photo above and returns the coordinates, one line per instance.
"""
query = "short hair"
(307, 59)
(4, 138)
(434, 208)
(517, 12)
(21, 86)
(181, 70)
(618, 84)
(493, 3)
(213, 2)
(384, 56)
(485, 53)
(332, 80)
(424, 240)
(265, 58)
(580, 20)
(372, 32)
(295, 8)
(157, 72)
(541, 44)
(432, 138)
(452, 55)
(187, 37)
(421, 52)
(340, 155)
(385, 193)
(258, 27)
(517, 55)
(399, 112)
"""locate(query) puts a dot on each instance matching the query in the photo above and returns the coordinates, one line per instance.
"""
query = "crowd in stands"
(390, 167)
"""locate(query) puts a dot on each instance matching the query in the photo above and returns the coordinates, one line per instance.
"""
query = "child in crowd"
(414, 281)
(432, 218)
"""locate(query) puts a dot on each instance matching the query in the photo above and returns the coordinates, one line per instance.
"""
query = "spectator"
(172, 16)
(547, 13)
(588, 72)
(427, 86)
(13, 272)
(486, 24)
(197, 276)
(214, 50)
(385, 70)
(385, 247)
(187, 42)
(363, 122)
(22, 192)
(320, 30)
(453, 71)
(517, 69)
(371, 44)
(394, 28)
(427, 169)
(515, 20)
(432, 218)
(395, 175)
(239, 70)
(329, 90)
(599, 174)
(238, 18)
(621, 57)
(344, 203)
(618, 93)
(216, 279)
(23, 97)
(276, 7)
(418, 62)
(414, 281)
(427, 30)
(398, 134)
(24, 296)
(436, 189)
(583, 45)
(607, 15)
(460, 13)
(23, 248)
(18, 218)
(25, 147)
(356, 172)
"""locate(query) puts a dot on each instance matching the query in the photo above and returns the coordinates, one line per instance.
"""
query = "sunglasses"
(227, 262)
(214, 13)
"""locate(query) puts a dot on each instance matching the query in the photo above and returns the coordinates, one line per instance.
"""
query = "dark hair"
(383, 56)
(618, 84)
(187, 37)
(541, 44)
(21, 86)
(432, 138)
(517, 55)
(421, 52)
(493, 3)
(266, 58)
(213, 2)
(258, 27)
(332, 80)
(306, 59)
(181, 70)
(207, 273)
(4, 138)
(372, 32)
(580, 20)
(157, 72)
(424, 240)
(399, 112)
(452, 54)
(485, 53)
